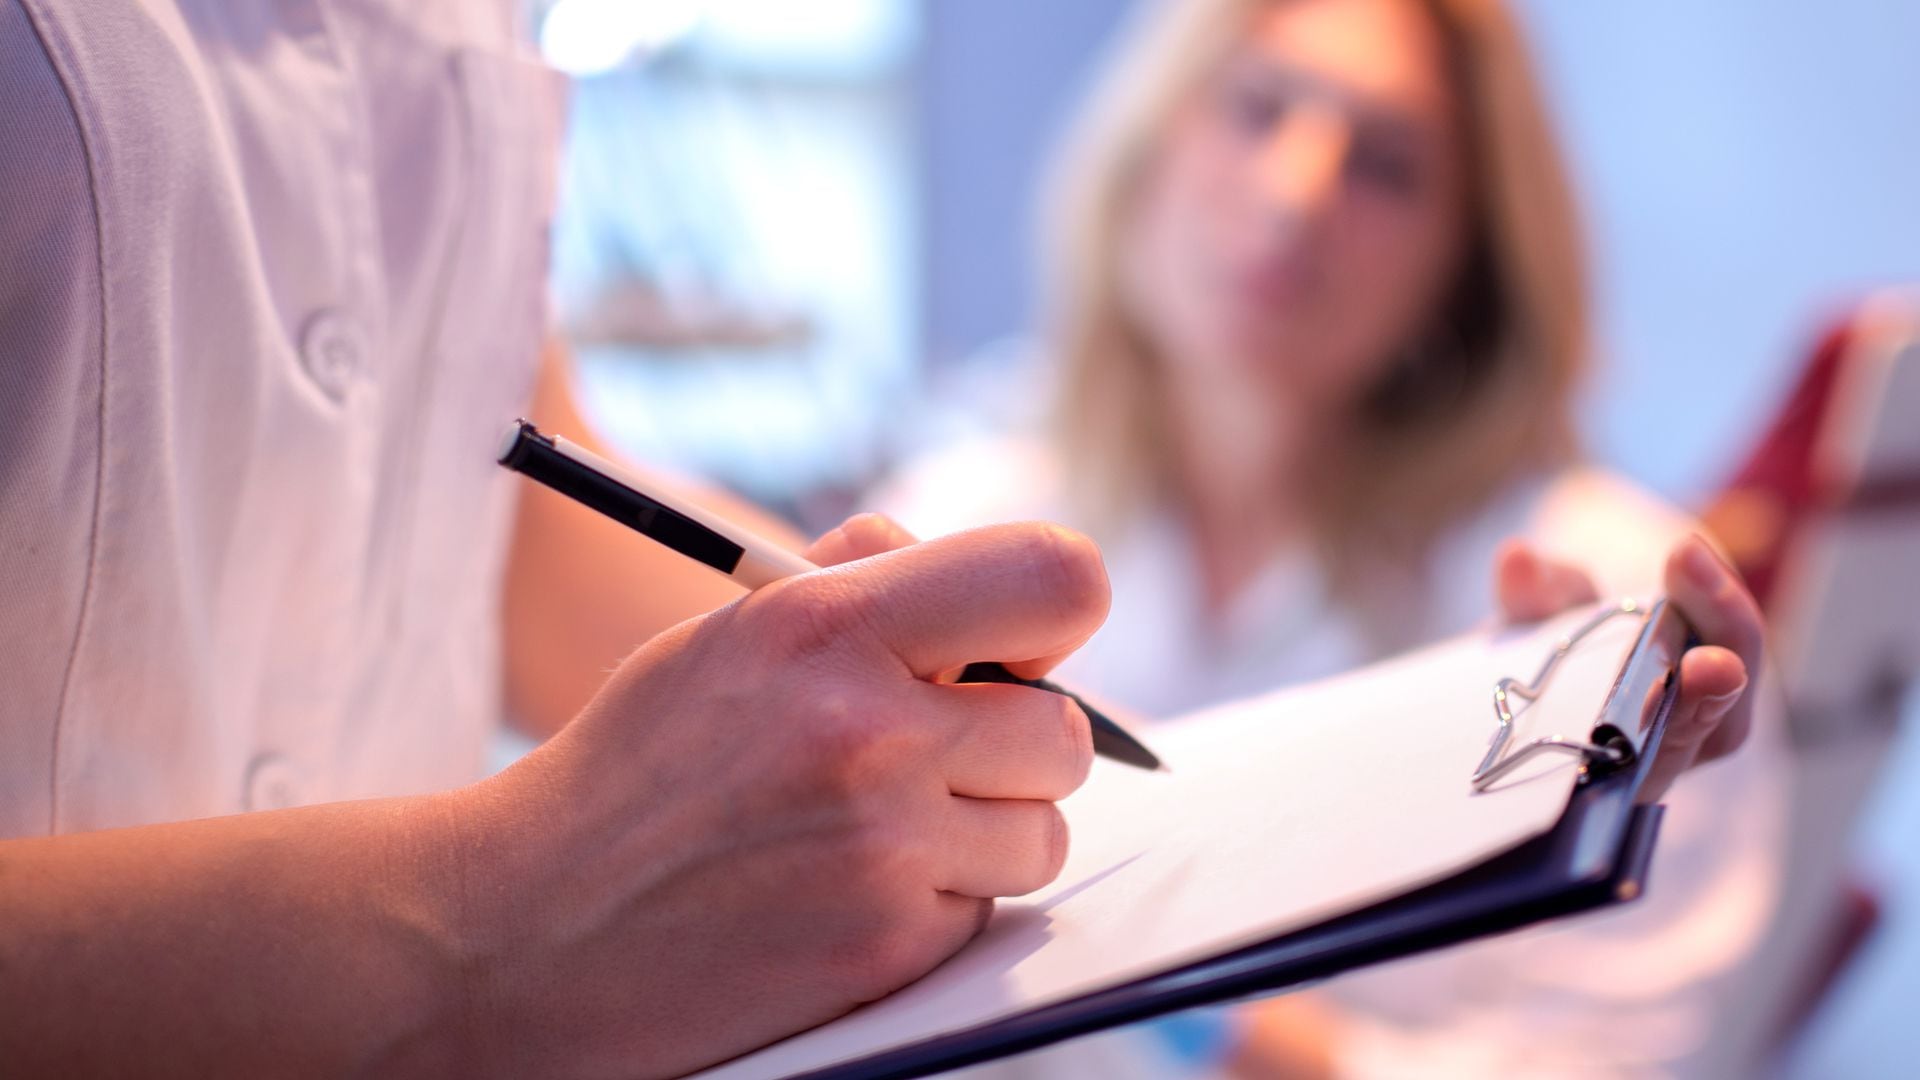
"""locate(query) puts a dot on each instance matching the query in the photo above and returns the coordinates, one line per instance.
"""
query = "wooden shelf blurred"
(639, 314)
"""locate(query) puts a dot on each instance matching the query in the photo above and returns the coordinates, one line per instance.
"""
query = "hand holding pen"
(771, 813)
(726, 548)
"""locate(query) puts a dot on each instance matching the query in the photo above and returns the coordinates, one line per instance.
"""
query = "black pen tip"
(1110, 740)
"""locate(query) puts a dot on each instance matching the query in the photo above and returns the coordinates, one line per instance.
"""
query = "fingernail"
(1701, 567)
(1727, 698)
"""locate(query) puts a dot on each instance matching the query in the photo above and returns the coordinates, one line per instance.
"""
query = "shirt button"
(271, 784)
(331, 350)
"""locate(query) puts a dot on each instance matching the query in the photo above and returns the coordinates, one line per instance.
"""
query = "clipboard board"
(1595, 854)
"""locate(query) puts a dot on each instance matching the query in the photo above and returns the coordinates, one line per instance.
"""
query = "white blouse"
(1630, 992)
(271, 288)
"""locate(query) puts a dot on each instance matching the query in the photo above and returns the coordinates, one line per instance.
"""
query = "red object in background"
(1856, 917)
(1794, 476)
(1795, 480)
(1777, 490)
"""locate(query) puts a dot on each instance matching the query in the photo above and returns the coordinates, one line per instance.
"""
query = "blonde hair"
(1419, 458)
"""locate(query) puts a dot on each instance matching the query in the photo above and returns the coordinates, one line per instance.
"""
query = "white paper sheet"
(1279, 812)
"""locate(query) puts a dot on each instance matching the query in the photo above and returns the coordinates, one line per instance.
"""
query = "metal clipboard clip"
(1499, 760)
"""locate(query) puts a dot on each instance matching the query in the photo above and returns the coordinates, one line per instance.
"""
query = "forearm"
(583, 591)
(318, 941)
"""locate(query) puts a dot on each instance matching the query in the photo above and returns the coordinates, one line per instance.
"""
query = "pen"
(708, 539)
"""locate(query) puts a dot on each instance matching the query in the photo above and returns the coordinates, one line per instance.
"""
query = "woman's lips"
(1269, 283)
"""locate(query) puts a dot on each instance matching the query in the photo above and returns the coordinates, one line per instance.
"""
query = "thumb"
(858, 537)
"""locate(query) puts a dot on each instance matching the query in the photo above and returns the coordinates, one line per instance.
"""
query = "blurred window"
(734, 256)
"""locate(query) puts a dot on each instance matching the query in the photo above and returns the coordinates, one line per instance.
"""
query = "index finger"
(1010, 593)
(1529, 586)
(858, 537)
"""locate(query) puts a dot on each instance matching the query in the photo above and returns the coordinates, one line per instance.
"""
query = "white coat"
(271, 278)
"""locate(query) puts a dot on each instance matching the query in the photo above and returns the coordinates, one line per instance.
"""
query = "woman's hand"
(1714, 711)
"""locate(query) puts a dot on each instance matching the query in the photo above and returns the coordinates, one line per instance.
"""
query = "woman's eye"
(1390, 169)
(1251, 110)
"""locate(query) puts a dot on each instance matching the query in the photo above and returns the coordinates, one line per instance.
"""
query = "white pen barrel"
(765, 564)
(762, 562)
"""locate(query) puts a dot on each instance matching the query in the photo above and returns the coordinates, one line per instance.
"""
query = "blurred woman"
(1319, 315)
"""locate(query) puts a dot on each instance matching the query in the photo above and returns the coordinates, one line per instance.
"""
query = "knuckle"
(847, 743)
(813, 616)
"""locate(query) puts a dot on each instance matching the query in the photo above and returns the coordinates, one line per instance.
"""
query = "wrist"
(442, 906)
(478, 847)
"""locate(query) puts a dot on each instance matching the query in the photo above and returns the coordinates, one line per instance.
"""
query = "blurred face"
(1304, 214)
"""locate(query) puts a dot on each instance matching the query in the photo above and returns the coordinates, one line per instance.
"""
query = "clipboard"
(1595, 854)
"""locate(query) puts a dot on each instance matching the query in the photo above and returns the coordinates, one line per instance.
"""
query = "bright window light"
(589, 37)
